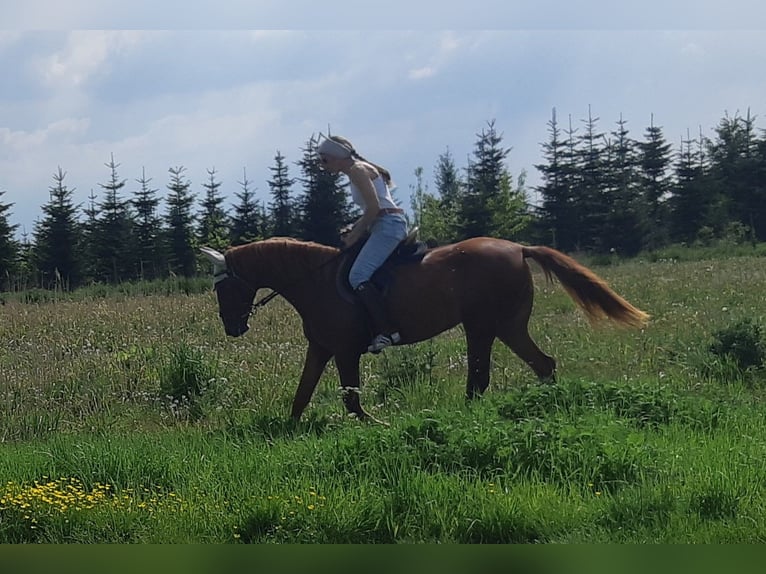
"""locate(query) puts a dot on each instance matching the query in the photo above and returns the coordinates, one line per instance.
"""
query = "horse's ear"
(215, 257)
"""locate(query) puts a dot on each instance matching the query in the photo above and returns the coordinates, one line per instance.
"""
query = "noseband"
(228, 274)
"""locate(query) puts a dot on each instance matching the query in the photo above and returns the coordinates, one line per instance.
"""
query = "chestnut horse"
(483, 283)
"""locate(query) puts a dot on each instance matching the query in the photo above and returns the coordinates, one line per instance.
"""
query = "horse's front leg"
(316, 360)
(348, 370)
(479, 342)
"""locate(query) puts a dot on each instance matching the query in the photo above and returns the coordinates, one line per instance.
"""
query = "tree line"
(123, 235)
(600, 192)
(606, 192)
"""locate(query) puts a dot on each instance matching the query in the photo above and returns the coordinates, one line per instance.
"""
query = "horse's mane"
(282, 253)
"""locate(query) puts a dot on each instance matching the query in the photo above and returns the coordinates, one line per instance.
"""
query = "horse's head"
(235, 295)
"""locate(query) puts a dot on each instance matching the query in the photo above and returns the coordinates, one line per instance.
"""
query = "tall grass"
(132, 418)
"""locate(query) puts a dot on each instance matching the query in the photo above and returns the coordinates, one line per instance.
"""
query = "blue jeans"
(385, 234)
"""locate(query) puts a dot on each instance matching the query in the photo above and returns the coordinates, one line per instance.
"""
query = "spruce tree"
(432, 214)
(9, 248)
(737, 169)
(57, 238)
(147, 229)
(89, 237)
(213, 220)
(759, 217)
(247, 221)
(690, 202)
(592, 202)
(113, 246)
(622, 226)
(282, 207)
(557, 222)
(179, 223)
(449, 188)
(570, 237)
(655, 160)
(447, 180)
(324, 205)
(485, 173)
(26, 267)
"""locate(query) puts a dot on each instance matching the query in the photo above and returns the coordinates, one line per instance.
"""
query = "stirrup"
(382, 341)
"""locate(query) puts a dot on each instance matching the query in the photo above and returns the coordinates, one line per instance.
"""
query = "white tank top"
(385, 199)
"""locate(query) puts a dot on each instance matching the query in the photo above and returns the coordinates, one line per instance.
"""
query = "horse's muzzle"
(237, 331)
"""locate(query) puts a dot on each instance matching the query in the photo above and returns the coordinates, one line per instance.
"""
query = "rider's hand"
(347, 240)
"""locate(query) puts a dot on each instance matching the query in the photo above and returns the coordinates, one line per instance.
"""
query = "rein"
(262, 301)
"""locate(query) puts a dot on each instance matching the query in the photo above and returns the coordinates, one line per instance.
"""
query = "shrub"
(743, 343)
(184, 377)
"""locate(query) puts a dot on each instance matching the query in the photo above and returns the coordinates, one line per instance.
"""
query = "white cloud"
(85, 54)
(421, 73)
(53, 134)
(437, 50)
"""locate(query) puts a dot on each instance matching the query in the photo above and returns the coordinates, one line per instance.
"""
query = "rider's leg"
(385, 235)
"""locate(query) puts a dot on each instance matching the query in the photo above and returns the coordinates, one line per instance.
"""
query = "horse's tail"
(588, 290)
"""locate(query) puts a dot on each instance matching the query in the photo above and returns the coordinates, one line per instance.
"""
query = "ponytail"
(381, 170)
(354, 154)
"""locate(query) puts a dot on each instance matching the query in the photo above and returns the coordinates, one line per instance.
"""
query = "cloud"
(438, 49)
(85, 54)
(53, 134)
(421, 73)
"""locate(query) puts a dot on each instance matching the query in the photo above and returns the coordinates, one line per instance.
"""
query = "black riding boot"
(385, 333)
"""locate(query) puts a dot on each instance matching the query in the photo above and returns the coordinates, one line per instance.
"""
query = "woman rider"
(370, 186)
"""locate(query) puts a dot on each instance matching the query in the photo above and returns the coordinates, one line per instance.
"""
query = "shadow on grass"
(271, 428)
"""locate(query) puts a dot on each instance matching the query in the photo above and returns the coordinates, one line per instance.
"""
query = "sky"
(226, 85)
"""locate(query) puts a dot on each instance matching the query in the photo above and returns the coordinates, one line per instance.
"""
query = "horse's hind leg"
(515, 334)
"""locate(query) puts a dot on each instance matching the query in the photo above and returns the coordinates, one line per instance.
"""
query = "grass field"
(132, 418)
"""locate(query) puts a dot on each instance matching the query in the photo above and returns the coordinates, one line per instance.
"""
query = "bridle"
(230, 274)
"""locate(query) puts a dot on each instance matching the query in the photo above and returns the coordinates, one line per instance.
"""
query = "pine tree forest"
(604, 189)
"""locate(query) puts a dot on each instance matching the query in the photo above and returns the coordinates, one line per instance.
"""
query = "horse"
(483, 283)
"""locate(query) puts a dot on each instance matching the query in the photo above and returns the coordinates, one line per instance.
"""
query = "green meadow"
(128, 416)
